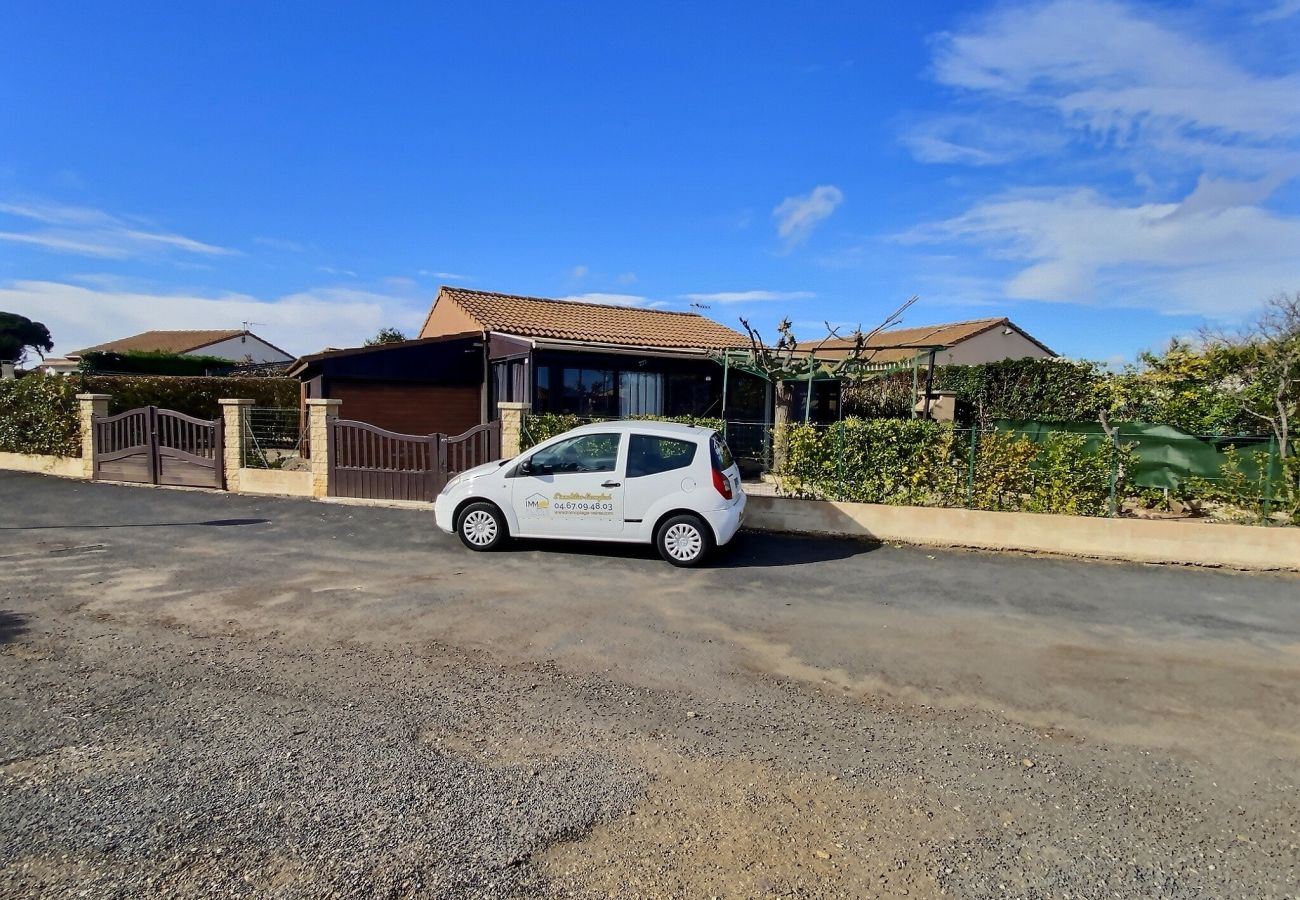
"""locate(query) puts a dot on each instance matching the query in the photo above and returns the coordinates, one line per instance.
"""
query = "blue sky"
(1107, 174)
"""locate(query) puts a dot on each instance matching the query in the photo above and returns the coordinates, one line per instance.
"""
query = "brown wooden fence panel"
(375, 464)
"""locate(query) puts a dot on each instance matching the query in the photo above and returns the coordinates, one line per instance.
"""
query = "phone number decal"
(581, 506)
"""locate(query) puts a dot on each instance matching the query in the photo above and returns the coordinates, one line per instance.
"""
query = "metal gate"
(149, 445)
(371, 463)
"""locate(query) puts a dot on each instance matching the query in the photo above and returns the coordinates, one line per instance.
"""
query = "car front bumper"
(443, 508)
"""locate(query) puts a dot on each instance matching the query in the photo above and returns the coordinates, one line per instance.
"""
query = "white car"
(675, 486)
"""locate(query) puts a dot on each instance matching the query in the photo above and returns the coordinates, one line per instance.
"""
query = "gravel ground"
(273, 698)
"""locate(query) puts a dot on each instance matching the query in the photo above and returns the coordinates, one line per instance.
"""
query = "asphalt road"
(211, 694)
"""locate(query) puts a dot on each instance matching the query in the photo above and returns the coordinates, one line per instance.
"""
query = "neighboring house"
(955, 343)
(57, 365)
(234, 344)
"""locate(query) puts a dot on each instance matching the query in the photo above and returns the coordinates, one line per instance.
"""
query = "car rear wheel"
(684, 541)
(481, 527)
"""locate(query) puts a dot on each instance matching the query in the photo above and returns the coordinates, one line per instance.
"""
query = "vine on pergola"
(783, 361)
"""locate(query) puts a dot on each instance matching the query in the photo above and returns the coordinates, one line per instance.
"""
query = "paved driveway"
(208, 693)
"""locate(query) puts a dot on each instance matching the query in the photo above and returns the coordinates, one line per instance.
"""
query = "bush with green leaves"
(195, 396)
(920, 463)
(540, 427)
(152, 362)
(38, 414)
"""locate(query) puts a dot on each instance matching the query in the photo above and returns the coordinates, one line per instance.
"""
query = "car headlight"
(446, 488)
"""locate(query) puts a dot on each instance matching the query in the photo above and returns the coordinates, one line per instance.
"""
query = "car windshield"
(722, 460)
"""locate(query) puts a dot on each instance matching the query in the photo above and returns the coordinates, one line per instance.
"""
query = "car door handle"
(612, 484)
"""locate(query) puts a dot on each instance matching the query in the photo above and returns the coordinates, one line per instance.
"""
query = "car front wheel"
(481, 527)
(684, 541)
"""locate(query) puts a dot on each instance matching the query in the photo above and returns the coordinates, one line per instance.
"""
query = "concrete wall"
(275, 481)
(66, 466)
(1186, 542)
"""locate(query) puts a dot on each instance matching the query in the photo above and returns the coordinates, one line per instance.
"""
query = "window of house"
(648, 455)
(588, 392)
(640, 394)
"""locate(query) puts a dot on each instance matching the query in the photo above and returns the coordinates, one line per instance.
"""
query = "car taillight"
(723, 484)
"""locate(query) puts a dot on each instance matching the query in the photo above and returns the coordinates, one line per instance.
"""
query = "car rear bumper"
(726, 522)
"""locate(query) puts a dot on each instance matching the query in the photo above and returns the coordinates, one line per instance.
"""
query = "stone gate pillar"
(89, 406)
(512, 428)
(321, 413)
(234, 417)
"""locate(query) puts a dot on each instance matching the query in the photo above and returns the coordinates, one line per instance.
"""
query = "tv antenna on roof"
(247, 324)
(697, 305)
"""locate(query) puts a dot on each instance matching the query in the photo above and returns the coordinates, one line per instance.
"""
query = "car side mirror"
(526, 467)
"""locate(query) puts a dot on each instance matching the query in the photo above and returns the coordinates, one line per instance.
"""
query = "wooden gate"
(158, 446)
(371, 463)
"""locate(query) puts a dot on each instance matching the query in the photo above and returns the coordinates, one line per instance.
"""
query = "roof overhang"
(545, 343)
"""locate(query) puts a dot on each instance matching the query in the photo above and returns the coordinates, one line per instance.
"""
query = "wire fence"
(274, 438)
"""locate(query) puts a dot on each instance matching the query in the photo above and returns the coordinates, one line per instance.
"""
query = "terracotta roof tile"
(593, 322)
(164, 341)
(944, 335)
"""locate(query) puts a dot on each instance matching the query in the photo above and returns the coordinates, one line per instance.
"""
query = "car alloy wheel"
(479, 527)
(683, 542)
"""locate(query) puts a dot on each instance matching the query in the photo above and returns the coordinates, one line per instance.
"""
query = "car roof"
(646, 426)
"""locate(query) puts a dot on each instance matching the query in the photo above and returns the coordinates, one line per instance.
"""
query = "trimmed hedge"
(540, 427)
(195, 396)
(140, 362)
(38, 414)
(920, 463)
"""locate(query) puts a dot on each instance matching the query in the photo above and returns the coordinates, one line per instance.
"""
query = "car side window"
(647, 455)
(584, 453)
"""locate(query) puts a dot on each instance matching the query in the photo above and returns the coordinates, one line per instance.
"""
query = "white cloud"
(1208, 254)
(84, 231)
(280, 244)
(79, 316)
(1284, 9)
(797, 216)
(579, 271)
(626, 278)
(748, 296)
(1116, 76)
(445, 276)
(1141, 108)
(615, 300)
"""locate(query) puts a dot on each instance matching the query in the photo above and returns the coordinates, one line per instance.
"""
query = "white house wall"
(991, 346)
(238, 347)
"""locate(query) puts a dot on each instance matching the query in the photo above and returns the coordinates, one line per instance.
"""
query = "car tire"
(684, 540)
(481, 527)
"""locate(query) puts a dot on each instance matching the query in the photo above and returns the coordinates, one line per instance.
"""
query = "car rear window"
(650, 455)
(722, 460)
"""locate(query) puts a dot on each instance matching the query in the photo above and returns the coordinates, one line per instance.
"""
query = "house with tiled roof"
(479, 348)
(234, 344)
(966, 343)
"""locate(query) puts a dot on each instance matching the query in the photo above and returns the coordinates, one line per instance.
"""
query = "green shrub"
(540, 427)
(38, 414)
(153, 362)
(918, 463)
(195, 396)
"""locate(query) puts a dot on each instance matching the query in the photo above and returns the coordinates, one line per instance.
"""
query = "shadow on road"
(748, 550)
(11, 625)
(211, 523)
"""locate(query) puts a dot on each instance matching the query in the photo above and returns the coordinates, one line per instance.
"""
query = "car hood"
(483, 469)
